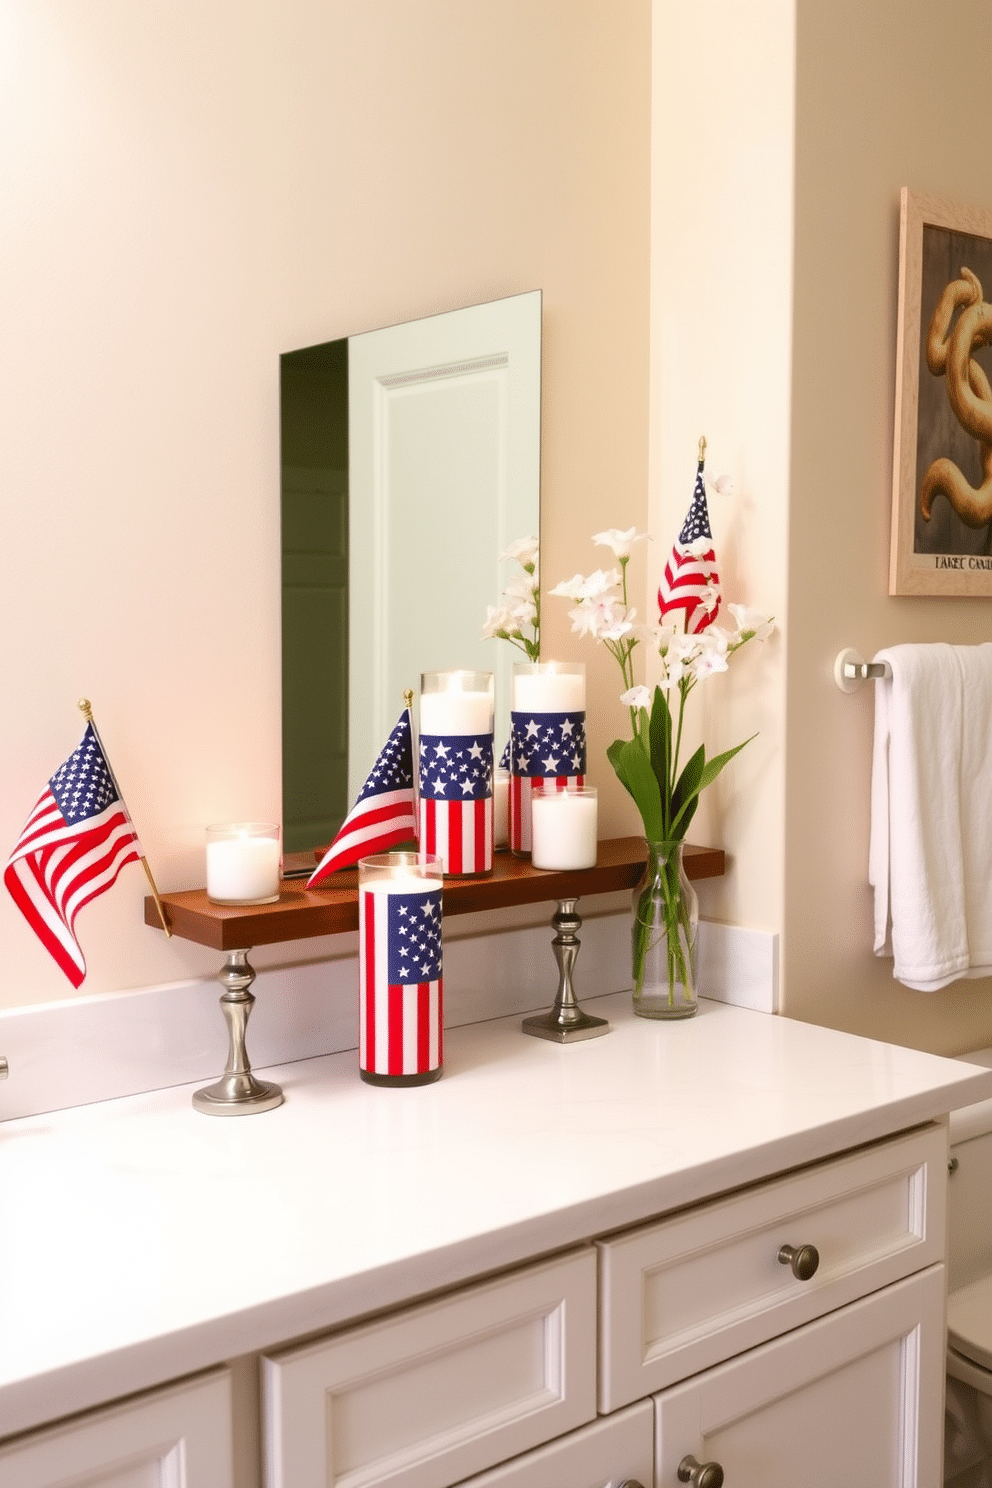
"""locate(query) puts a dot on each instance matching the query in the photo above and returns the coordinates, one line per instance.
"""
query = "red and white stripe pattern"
(401, 1014)
(384, 814)
(691, 582)
(460, 833)
(73, 845)
(456, 801)
(541, 745)
(522, 788)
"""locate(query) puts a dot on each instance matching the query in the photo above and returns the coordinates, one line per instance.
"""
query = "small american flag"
(548, 752)
(456, 800)
(75, 842)
(401, 1013)
(384, 813)
(690, 581)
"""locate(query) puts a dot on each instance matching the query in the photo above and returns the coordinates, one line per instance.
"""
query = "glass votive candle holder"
(400, 984)
(564, 827)
(456, 770)
(243, 862)
(547, 737)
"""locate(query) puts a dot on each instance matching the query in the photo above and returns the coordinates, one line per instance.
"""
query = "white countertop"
(140, 1240)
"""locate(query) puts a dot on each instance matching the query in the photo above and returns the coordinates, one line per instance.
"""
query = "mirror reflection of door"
(428, 467)
(314, 414)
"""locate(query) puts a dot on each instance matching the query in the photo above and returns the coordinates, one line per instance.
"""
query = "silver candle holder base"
(237, 1092)
(566, 1023)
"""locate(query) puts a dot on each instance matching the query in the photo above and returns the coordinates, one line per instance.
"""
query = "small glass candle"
(401, 1016)
(548, 737)
(456, 770)
(243, 862)
(564, 828)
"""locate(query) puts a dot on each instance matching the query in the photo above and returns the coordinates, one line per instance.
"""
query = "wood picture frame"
(942, 458)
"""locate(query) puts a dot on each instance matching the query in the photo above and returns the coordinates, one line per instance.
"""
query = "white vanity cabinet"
(817, 1296)
(555, 1268)
(177, 1437)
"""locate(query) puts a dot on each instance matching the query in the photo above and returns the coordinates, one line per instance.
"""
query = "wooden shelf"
(302, 913)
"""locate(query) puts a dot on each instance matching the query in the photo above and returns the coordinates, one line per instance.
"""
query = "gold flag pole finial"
(702, 448)
(408, 696)
(86, 708)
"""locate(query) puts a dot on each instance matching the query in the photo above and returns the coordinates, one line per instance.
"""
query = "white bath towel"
(930, 853)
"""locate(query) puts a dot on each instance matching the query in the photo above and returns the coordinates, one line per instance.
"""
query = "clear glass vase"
(665, 924)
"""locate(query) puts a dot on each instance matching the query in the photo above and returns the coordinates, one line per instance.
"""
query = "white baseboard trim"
(89, 1049)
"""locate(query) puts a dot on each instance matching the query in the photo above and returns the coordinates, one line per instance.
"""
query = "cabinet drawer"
(424, 1397)
(613, 1450)
(179, 1434)
(683, 1293)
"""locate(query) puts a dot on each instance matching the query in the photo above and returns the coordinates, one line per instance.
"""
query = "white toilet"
(968, 1420)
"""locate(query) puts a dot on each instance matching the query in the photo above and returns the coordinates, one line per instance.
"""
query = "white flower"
(497, 621)
(750, 623)
(584, 618)
(723, 485)
(620, 625)
(521, 587)
(620, 542)
(525, 550)
(637, 697)
(572, 588)
(699, 546)
(592, 587)
(711, 652)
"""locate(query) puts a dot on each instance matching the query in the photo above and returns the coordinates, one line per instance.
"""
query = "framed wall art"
(942, 465)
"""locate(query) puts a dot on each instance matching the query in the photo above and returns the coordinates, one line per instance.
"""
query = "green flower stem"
(662, 917)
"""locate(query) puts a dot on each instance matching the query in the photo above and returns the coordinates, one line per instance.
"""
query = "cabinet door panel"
(847, 1399)
(686, 1292)
(179, 1437)
(427, 1396)
(614, 1450)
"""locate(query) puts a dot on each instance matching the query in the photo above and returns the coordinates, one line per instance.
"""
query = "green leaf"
(707, 774)
(660, 733)
(633, 767)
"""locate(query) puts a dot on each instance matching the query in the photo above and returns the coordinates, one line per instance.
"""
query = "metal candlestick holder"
(566, 1023)
(237, 1092)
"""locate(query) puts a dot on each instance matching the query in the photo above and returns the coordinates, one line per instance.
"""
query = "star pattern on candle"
(414, 937)
(456, 767)
(548, 743)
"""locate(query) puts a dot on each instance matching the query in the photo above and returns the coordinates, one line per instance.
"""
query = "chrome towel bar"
(851, 669)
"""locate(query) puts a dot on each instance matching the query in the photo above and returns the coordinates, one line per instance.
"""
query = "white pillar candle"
(243, 863)
(547, 691)
(456, 703)
(564, 828)
(400, 985)
(456, 713)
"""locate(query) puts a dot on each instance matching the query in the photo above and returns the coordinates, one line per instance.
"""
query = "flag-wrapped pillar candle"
(401, 1018)
(547, 737)
(456, 770)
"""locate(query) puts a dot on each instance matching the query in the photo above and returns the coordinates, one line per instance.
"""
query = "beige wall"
(190, 190)
(888, 95)
(196, 189)
(773, 331)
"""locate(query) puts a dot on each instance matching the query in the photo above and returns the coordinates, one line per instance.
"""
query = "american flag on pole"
(690, 581)
(456, 800)
(75, 842)
(401, 1022)
(548, 752)
(384, 813)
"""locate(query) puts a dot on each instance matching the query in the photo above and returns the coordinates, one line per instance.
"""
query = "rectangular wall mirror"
(410, 460)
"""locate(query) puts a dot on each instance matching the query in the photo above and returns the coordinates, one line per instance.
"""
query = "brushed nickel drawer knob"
(631, 1483)
(803, 1259)
(700, 1474)
(4, 1068)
